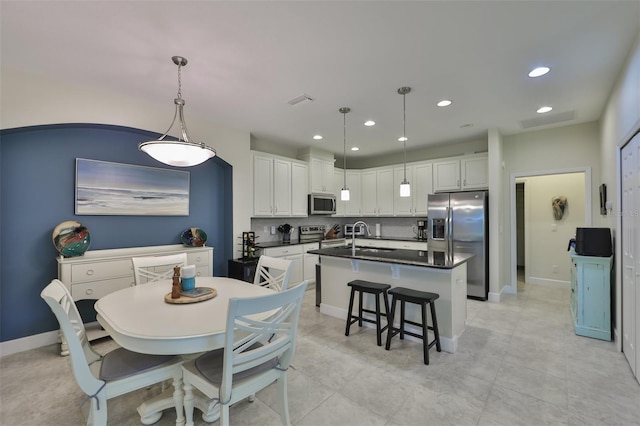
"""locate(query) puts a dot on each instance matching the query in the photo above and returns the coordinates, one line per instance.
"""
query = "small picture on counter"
(104, 188)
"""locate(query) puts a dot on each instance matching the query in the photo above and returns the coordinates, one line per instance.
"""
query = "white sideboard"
(100, 272)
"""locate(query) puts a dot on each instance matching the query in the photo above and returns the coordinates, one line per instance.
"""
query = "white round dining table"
(139, 319)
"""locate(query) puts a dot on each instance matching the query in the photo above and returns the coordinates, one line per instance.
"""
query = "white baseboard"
(447, 344)
(27, 343)
(549, 283)
(494, 297)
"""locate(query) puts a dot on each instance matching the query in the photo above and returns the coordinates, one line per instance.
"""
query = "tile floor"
(518, 363)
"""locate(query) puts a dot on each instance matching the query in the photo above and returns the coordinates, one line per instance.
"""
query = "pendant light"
(344, 193)
(183, 152)
(405, 187)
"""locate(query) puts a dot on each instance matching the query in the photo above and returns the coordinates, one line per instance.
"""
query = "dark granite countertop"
(424, 258)
(415, 239)
(271, 244)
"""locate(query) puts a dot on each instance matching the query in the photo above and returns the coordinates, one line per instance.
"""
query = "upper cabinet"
(353, 207)
(279, 186)
(377, 192)
(320, 175)
(420, 177)
(466, 173)
(299, 188)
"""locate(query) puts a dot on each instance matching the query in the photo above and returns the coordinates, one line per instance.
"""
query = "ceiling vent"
(304, 98)
(548, 119)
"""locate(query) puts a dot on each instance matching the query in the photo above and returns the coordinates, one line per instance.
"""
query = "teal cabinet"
(591, 296)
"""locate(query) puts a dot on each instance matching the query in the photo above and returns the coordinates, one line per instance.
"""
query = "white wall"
(29, 100)
(620, 121)
(534, 153)
(547, 238)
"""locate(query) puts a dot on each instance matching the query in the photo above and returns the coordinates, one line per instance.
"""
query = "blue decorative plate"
(193, 237)
(71, 238)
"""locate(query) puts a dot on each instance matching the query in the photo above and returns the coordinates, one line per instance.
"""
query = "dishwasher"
(337, 242)
(313, 233)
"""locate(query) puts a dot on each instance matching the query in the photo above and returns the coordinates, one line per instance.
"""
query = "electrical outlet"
(554, 228)
(266, 229)
(273, 230)
(554, 269)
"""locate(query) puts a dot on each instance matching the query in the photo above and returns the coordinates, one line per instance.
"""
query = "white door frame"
(513, 287)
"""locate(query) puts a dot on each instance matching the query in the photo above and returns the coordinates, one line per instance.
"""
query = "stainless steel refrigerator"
(459, 223)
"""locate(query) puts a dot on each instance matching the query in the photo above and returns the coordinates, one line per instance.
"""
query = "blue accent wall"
(37, 184)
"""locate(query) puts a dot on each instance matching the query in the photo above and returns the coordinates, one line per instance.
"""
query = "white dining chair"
(273, 272)
(116, 373)
(154, 268)
(256, 354)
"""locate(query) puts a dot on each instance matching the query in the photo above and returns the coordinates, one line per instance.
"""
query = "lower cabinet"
(591, 296)
(303, 264)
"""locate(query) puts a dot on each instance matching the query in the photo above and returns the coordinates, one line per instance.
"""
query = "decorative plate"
(194, 237)
(71, 238)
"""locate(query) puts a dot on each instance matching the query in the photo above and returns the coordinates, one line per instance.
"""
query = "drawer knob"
(90, 272)
(89, 291)
(198, 259)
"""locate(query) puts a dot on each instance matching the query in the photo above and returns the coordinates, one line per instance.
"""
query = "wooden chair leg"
(434, 321)
(425, 334)
(346, 332)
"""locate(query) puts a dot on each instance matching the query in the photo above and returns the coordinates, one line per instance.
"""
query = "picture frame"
(107, 188)
(603, 199)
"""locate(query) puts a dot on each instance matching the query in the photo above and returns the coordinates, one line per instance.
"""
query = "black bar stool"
(376, 289)
(423, 299)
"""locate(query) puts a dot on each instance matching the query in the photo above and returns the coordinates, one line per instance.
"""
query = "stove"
(311, 233)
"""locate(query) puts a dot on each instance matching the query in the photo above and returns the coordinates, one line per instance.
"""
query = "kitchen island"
(433, 271)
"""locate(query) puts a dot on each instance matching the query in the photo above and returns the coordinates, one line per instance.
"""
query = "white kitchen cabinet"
(262, 185)
(370, 242)
(310, 262)
(293, 253)
(421, 187)
(420, 176)
(299, 188)
(354, 183)
(446, 175)
(275, 194)
(402, 206)
(338, 182)
(461, 174)
(377, 192)
(281, 187)
(474, 172)
(353, 207)
(320, 175)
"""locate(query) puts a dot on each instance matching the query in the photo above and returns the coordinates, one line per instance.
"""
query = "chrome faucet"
(353, 235)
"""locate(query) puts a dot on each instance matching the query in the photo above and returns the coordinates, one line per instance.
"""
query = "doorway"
(543, 239)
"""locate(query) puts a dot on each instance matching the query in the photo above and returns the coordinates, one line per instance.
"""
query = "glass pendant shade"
(405, 189)
(183, 152)
(344, 193)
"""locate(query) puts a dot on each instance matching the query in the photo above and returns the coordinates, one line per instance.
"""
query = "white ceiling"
(248, 59)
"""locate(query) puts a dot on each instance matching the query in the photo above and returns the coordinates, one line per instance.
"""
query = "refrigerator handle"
(449, 230)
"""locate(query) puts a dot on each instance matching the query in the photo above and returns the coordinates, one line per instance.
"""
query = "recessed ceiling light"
(317, 137)
(466, 125)
(355, 148)
(544, 109)
(402, 139)
(537, 72)
(369, 123)
(444, 103)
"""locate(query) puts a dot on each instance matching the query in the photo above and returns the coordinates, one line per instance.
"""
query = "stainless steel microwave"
(322, 204)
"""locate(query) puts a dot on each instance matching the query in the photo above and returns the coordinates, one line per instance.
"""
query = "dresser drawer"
(101, 270)
(199, 259)
(97, 289)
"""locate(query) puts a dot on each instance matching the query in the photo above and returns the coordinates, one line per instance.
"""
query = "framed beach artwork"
(105, 188)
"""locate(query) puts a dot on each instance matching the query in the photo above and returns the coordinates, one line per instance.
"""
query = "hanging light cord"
(404, 132)
(344, 148)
